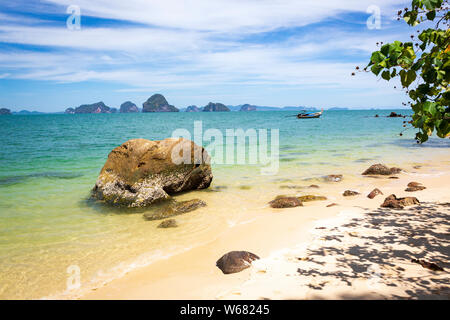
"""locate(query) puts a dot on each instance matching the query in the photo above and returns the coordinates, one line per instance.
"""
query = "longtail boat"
(309, 115)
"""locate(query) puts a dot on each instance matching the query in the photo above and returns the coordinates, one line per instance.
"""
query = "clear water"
(49, 163)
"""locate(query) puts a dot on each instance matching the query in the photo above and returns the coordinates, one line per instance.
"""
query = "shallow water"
(49, 163)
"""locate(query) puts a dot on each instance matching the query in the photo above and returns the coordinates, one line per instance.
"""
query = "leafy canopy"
(423, 66)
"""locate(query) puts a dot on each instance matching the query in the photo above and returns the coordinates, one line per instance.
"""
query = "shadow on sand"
(387, 240)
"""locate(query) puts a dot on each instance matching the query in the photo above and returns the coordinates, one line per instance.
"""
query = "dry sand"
(351, 251)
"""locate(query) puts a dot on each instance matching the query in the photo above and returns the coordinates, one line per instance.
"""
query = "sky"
(268, 53)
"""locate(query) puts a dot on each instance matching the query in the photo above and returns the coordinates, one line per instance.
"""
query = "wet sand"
(352, 250)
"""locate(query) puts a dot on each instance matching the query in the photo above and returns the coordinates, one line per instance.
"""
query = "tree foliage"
(422, 65)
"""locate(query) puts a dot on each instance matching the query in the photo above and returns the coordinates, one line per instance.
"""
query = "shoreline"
(193, 275)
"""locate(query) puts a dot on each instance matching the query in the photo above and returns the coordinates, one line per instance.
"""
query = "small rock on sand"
(374, 193)
(236, 261)
(332, 205)
(285, 202)
(381, 169)
(348, 193)
(415, 186)
(399, 203)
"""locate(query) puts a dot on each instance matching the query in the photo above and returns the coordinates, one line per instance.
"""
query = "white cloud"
(197, 44)
(225, 15)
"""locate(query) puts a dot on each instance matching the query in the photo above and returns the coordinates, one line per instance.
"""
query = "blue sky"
(270, 53)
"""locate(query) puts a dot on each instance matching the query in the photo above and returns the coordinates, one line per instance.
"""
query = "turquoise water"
(49, 163)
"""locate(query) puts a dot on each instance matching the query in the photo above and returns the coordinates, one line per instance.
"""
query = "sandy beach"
(354, 250)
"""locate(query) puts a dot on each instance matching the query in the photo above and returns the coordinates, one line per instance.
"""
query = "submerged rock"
(381, 169)
(374, 193)
(309, 197)
(348, 193)
(175, 209)
(236, 261)
(333, 178)
(395, 115)
(285, 202)
(141, 172)
(415, 186)
(169, 223)
(399, 203)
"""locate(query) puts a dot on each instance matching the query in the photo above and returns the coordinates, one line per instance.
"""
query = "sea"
(56, 242)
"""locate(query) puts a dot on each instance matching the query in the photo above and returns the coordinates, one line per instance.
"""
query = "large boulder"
(381, 169)
(236, 261)
(141, 172)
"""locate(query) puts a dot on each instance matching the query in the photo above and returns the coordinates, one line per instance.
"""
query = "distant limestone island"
(98, 107)
(128, 107)
(210, 107)
(4, 111)
(158, 103)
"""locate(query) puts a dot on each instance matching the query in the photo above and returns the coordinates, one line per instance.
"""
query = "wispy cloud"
(192, 45)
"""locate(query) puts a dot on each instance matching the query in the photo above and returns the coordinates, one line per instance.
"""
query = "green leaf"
(377, 57)
(394, 73)
(431, 15)
(407, 77)
(430, 107)
(376, 69)
(386, 75)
